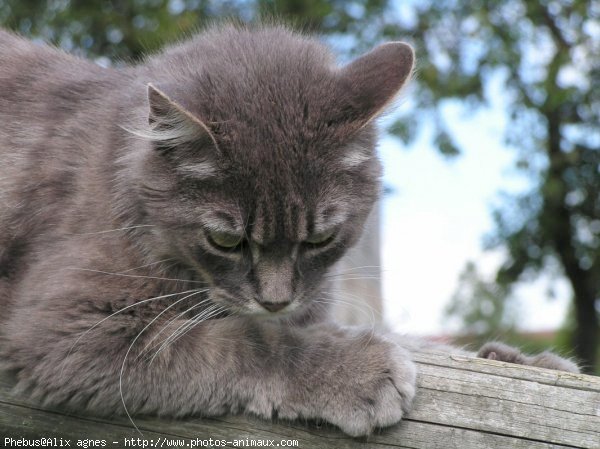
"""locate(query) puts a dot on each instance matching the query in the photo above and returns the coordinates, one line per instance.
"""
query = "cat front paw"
(375, 389)
(506, 353)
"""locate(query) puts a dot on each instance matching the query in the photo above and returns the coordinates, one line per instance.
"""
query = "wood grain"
(462, 403)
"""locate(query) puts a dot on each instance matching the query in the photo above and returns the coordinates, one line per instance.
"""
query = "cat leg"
(354, 379)
(505, 353)
(493, 351)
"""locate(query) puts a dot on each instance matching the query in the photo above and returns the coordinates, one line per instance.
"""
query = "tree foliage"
(481, 307)
(126, 30)
(548, 55)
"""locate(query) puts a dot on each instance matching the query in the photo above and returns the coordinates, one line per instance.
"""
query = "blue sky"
(439, 212)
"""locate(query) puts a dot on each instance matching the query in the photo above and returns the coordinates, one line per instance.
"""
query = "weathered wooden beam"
(462, 403)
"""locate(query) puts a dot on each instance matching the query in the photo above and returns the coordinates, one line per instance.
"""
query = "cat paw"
(376, 389)
(505, 353)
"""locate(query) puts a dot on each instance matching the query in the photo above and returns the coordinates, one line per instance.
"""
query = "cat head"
(263, 169)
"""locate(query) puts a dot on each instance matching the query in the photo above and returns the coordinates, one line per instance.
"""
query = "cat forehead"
(255, 119)
(252, 83)
(271, 222)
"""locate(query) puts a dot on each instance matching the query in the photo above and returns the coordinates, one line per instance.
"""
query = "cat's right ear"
(367, 85)
(172, 125)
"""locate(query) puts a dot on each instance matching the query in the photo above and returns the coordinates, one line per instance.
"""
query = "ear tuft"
(171, 124)
(369, 83)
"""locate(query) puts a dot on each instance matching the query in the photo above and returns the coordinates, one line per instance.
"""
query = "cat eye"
(320, 239)
(225, 241)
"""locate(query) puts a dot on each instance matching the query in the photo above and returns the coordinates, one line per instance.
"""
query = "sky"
(436, 217)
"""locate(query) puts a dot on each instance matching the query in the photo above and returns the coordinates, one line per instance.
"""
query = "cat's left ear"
(367, 85)
(172, 124)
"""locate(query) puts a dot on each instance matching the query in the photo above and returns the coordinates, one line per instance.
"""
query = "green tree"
(481, 307)
(548, 55)
(126, 30)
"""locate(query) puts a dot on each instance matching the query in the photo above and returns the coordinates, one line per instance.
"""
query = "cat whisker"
(337, 292)
(209, 312)
(131, 346)
(347, 270)
(340, 292)
(148, 265)
(144, 301)
(371, 318)
(107, 231)
(145, 349)
(369, 314)
(353, 278)
(135, 275)
(369, 270)
(359, 303)
(353, 275)
(362, 307)
(186, 327)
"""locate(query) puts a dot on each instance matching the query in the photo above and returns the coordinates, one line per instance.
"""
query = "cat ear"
(172, 125)
(369, 83)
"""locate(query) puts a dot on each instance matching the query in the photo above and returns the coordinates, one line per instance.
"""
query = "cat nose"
(275, 306)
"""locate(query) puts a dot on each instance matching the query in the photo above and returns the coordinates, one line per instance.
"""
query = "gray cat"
(166, 229)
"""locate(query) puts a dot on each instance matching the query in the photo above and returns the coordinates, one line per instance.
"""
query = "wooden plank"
(462, 403)
(31, 423)
(538, 411)
(549, 377)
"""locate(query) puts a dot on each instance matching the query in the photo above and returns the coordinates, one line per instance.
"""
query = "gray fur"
(114, 298)
(504, 353)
